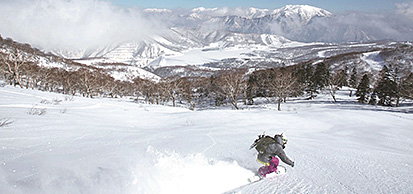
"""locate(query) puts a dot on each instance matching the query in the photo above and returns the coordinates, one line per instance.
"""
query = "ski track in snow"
(214, 142)
(116, 146)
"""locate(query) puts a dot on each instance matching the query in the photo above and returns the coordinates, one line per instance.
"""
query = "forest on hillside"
(19, 66)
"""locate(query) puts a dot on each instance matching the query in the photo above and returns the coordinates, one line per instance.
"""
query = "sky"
(330, 5)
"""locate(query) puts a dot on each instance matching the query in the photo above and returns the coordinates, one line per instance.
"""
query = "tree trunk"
(397, 101)
(279, 104)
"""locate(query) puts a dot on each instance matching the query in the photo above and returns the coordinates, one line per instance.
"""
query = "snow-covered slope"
(64, 144)
(177, 42)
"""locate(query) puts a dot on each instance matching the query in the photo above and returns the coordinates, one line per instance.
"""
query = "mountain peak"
(305, 9)
(305, 12)
(155, 10)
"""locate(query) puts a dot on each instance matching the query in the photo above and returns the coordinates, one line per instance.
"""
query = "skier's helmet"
(284, 138)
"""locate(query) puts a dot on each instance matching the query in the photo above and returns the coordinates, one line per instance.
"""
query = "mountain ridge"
(202, 27)
(220, 39)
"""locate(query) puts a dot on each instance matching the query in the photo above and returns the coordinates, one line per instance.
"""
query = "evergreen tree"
(363, 89)
(406, 87)
(373, 98)
(251, 85)
(321, 76)
(353, 78)
(342, 78)
(386, 88)
(310, 85)
(300, 73)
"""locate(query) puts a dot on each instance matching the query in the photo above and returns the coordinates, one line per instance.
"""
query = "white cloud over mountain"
(405, 9)
(70, 24)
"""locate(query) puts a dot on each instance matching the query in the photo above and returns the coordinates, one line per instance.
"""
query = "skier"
(268, 149)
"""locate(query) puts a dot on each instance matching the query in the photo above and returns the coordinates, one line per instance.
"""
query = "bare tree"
(11, 65)
(334, 83)
(69, 82)
(114, 88)
(104, 82)
(147, 89)
(283, 84)
(233, 84)
(171, 87)
(30, 72)
(88, 82)
(188, 89)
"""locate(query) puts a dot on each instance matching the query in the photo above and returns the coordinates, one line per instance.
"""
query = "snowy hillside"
(177, 42)
(188, 56)
(234, 50)
(53, 143)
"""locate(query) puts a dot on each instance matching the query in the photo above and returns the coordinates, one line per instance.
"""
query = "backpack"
(262, 142)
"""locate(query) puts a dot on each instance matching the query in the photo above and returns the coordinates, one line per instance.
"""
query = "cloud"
(71, 24)
(405, 9)
(345, 27)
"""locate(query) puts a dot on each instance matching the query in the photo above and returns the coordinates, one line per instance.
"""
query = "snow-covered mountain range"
(202, 27)
(203, 40)
(205, 35)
